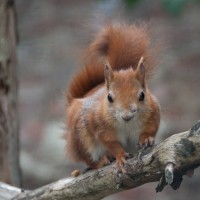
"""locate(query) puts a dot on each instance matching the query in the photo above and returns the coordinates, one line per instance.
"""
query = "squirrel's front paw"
(121, 163)
(147, 142)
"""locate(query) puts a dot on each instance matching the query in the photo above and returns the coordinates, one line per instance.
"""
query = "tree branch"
(166, 162)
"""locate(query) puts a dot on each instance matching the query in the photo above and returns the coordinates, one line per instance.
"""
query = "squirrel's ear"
(108, 73)
(140, 71)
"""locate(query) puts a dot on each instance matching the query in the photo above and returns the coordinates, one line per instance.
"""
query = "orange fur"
(121, 46)
(97, 127)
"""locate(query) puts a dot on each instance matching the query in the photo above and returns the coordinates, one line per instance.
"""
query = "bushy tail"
(121, 46)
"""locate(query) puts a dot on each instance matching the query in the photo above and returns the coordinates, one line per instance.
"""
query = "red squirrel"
(108, 100)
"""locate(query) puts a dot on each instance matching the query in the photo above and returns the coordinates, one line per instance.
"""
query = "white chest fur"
(128, 133)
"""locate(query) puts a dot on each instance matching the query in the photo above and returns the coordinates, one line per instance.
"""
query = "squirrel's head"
(126, 91)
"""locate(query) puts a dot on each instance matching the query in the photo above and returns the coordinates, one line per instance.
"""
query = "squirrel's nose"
(133, 108)
(127, 117)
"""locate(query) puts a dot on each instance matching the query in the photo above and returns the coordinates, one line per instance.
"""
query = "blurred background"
(54, 33)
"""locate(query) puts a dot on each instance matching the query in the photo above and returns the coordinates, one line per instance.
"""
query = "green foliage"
(131, 3)
(174, 7)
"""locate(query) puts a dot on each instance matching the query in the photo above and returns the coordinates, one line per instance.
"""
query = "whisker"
(145, 111)
(150, 111)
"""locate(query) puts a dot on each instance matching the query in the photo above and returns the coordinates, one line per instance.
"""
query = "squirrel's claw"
(121, 164)
(148, 142)
(128, 156)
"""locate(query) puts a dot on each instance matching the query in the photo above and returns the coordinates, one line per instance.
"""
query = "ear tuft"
(108, 73)
(141, 62)
(140, 71)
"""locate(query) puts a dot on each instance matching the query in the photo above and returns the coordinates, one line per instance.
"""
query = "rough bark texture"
(166, 162)
(9, 141)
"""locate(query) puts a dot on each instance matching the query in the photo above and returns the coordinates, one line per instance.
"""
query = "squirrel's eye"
(141, 97)
(110, 99)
